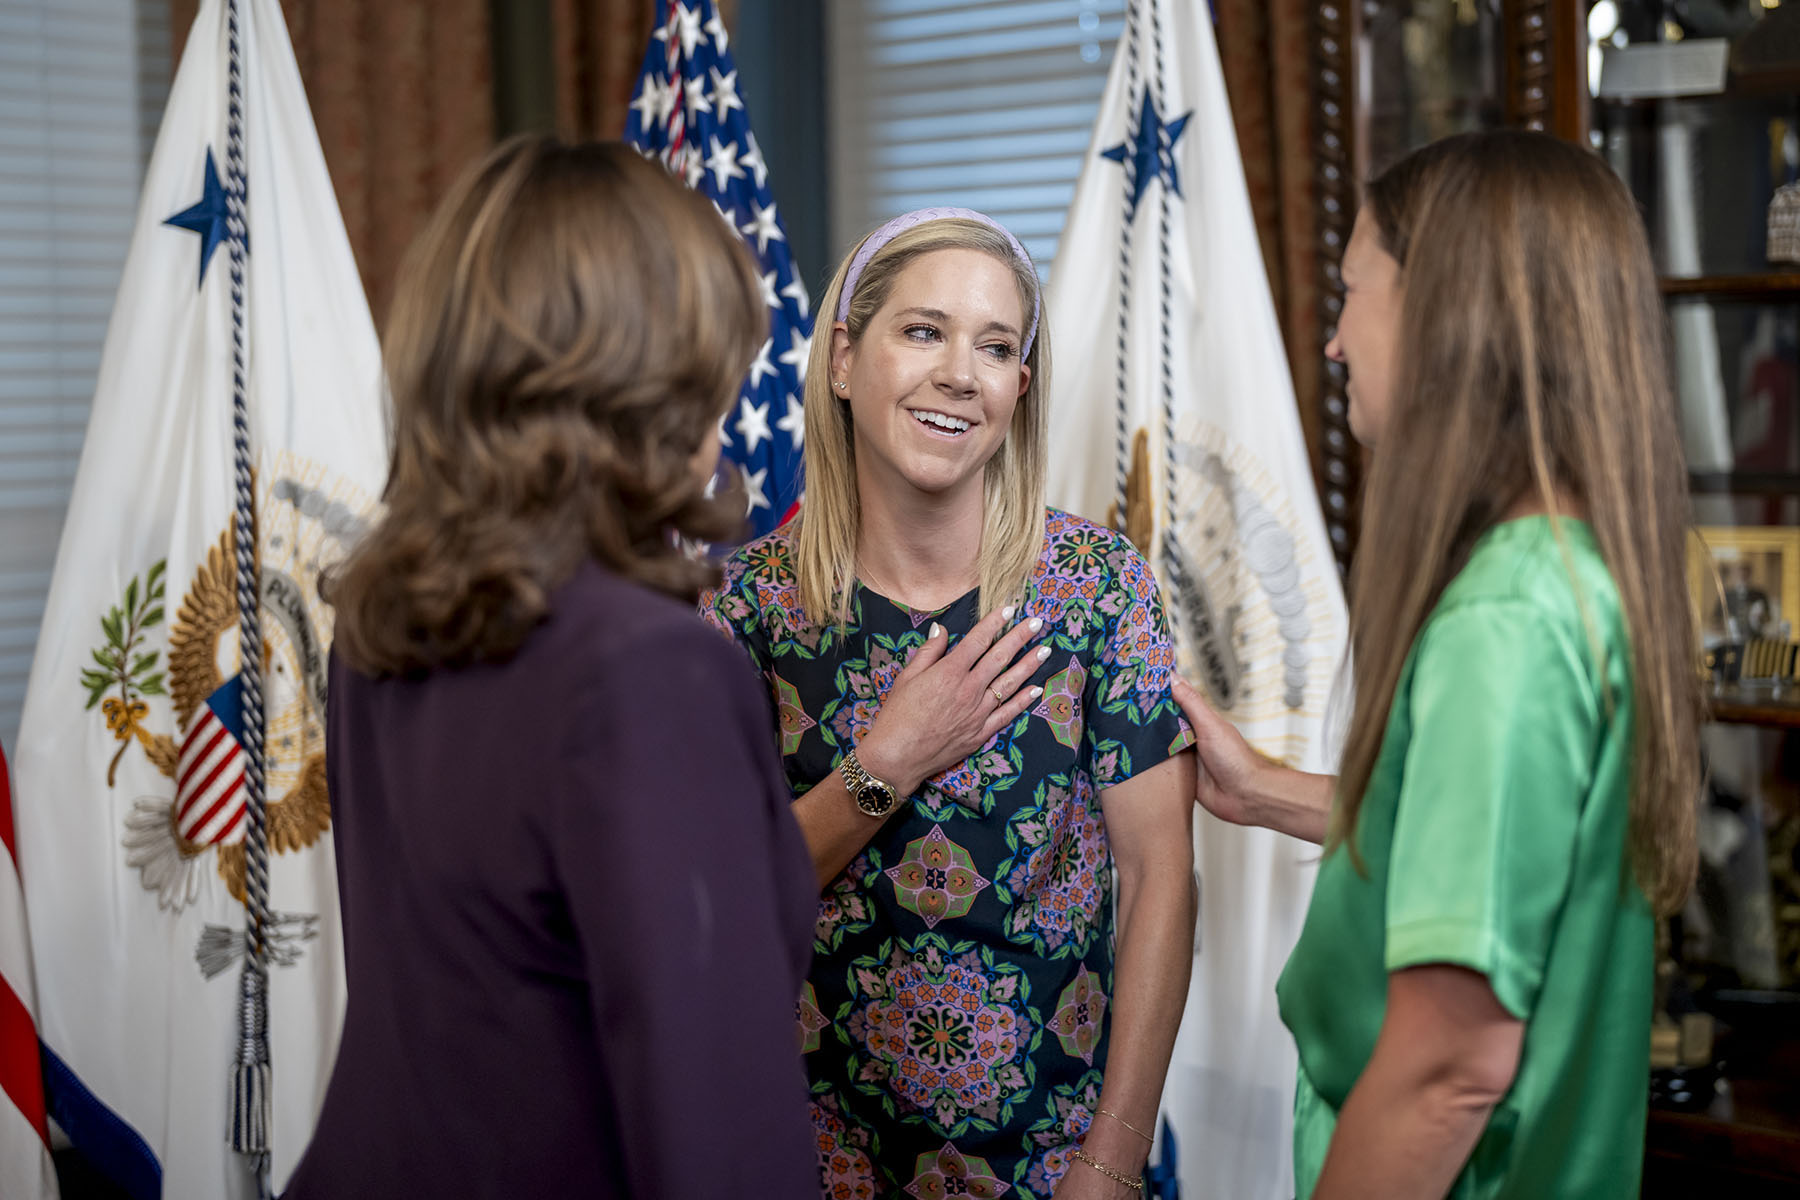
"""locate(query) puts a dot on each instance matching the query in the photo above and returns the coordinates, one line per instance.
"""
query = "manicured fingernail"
(1035, 624)
(1036, 691)
(1006, 613)
(934, 631)
(1043, 653)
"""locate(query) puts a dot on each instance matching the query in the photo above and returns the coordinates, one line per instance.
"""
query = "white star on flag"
(762, 366)
(769, 295)
(794, 424)
(795, 355)
(652, 102)
(754, 160)
(753, 423)
(763, 227)
(753, 490)
(697, 103)
(723, 163)
(796, 291)
(725, 95)
(721, 39)
(688, 21)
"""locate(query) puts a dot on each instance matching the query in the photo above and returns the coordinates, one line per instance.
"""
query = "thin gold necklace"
(869, 580)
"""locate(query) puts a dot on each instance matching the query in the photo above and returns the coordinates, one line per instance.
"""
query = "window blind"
(986, 106)
(82, 85)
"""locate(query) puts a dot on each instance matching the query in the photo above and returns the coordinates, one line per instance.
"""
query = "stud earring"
(840, 385)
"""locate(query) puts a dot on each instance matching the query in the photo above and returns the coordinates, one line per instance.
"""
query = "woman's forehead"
(955, 280)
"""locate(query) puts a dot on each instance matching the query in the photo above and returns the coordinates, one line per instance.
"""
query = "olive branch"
(121, 663)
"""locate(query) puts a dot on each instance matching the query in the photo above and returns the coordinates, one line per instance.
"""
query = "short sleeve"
(1132, 721)
(1498, 765)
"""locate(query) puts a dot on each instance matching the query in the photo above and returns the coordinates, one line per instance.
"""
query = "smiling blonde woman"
(976, 721)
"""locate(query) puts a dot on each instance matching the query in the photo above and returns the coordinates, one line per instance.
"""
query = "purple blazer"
(577, 915)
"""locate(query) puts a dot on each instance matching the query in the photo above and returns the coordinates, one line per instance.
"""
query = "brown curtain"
(598, 46)
(1264, 48)
(402, 95)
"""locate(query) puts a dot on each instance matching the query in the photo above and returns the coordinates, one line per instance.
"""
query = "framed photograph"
(1745, 582)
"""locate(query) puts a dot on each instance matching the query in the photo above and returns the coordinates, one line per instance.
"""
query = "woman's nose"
(956, 368)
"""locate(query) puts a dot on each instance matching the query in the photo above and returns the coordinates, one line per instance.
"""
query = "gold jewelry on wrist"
(872, 796)
(1127, 1124)
(1080, 1155)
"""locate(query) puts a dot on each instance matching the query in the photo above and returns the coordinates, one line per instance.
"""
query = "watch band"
(859, 782)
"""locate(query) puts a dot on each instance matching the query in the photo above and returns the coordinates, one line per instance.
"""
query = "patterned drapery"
(1264, 47)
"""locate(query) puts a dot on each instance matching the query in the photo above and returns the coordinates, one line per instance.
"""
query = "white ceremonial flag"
(131, 767)
(1174, 418)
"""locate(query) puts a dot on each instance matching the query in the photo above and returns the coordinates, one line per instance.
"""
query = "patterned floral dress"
(955, 1019)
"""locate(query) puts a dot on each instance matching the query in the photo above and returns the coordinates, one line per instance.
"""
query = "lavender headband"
(900, 224)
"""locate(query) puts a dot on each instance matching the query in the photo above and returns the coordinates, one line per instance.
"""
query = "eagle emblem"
(194, 827)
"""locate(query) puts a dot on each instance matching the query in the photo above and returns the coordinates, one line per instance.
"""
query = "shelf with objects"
(1697, 108)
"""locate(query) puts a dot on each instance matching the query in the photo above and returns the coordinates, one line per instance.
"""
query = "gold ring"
(997, 696)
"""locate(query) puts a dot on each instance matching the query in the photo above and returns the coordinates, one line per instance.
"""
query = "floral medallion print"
(1080, 1011)
(936, 879)
(789, 714)
(944, 1032)
(1070, 1110)
(972, 783)
(950, 1172)
(812, 1021)
(767, 562)
(963, 961)
(1061, 703)
(844, 908)
(1057, 880)
(845, 1172)
(862, 684)
(1081, 553)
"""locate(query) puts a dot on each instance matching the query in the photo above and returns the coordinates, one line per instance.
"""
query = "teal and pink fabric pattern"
(955, 1023)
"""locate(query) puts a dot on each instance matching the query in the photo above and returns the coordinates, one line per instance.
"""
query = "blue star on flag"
(1152, 154)
(207, 217)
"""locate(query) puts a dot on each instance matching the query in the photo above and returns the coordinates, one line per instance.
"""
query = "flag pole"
(250, 1100)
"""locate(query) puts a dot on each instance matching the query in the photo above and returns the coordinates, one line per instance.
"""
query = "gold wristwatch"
(870, 795)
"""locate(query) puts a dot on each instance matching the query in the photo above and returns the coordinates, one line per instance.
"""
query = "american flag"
(687, 113)
(209, 780)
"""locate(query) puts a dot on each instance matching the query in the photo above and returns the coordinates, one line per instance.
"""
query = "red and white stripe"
(209, 782)
(26, 1171)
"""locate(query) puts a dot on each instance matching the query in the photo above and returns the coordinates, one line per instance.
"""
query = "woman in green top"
(1471, 992)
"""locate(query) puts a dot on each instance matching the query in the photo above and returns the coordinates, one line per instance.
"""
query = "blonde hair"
(1012, 530)
(1534, 362)
(566, 333)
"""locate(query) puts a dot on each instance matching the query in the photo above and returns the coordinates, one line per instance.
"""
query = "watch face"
(875, 799)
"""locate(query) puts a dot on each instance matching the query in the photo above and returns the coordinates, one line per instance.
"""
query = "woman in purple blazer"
(576, 911)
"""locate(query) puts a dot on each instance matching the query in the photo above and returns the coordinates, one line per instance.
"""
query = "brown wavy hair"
(1533, 363)
(566, 333)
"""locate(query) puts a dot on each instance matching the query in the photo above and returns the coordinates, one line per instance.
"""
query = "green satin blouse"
(1493, 834)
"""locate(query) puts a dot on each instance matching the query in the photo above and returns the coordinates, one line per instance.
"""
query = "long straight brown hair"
(1533, 364)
